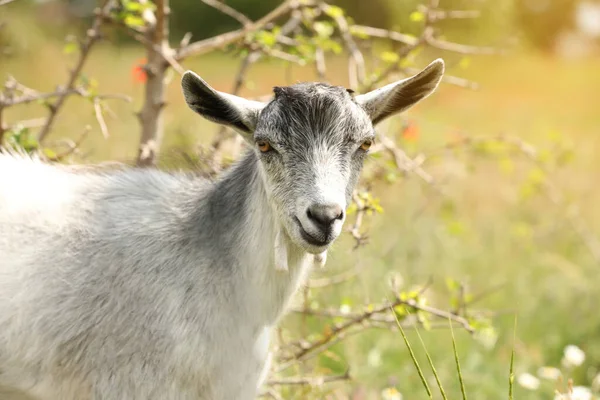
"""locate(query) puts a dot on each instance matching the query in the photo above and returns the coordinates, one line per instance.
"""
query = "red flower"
(138, 72)
(411, 131)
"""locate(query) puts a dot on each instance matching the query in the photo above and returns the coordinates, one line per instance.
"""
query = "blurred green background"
(518, 246)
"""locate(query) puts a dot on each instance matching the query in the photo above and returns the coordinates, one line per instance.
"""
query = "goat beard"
(281, 254)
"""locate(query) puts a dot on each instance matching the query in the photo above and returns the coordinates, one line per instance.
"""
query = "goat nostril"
(309, 214)
(324, 215)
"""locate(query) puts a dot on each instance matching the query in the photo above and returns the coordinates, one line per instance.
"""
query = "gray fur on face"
(315, 131)
(139, 284)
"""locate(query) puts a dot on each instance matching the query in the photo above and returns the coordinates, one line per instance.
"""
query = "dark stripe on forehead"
(307, 111)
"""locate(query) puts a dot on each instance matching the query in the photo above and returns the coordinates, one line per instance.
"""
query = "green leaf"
(521, 230)
(335, 47)
(565, 157)
(351, 209)
(417, 16)
(455, 227)
(452, 284)
(536, 176)
(134, 21)
(134, 7)
(464, 62)
(506, 165)
(334, 11)
(389, 57)
(323, 29)
(391, 177)
(266, 38)
(70, 48)
(49, 153)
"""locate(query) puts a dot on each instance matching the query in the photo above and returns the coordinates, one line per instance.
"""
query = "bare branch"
(355, 228)
(320, 64)
(150, 116)
(270, 392)
(92, 36)
(73, 146)
(5, 2)
(437, 15)
(404, 162)
(207, 45)
(100, 118)
(222, 136)
(225, 9)
(31, 96)
(164, 51)
(310, 381)
(336, 330)
(356, 65)
(384, 33)
(3, 127)
(459, 48)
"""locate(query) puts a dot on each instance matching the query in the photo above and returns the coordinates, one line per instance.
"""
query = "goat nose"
(324, 215)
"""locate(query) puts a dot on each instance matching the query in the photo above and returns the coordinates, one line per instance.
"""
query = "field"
(527, 252)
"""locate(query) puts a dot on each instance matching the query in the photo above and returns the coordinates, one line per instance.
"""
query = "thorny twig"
(216, 42)
(15, 93)
(150, 115)
(306, 348)
(356, 64)
(251, 58)
(100, 117)
(310, 381)
(73, 146)
(225, 9)
(354, 230)
(92, 36)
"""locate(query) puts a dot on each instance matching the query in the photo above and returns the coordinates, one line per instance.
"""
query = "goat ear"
(401, 95)
(226, 109)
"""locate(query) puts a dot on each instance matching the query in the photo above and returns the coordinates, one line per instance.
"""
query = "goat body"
(138, 284)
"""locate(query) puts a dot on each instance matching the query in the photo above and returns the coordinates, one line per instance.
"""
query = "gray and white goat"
(139, 284)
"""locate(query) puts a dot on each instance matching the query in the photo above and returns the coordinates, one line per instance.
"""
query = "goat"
(140, 284)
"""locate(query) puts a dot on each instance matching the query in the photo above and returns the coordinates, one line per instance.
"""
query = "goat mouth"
(307, 237)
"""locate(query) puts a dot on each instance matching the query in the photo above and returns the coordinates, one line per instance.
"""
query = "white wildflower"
(578, 393)
(573, 356)
(549, 373)
(581, 393)
(528, 381)
(391, 394)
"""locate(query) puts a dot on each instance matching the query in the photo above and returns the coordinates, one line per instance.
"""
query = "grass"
(511, 374)
(412, 357)
(485, 233)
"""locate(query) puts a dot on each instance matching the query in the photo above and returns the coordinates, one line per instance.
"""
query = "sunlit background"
(517, 226)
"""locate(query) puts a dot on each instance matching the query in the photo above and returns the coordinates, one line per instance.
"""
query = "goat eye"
(366, 144)
(263, 146)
